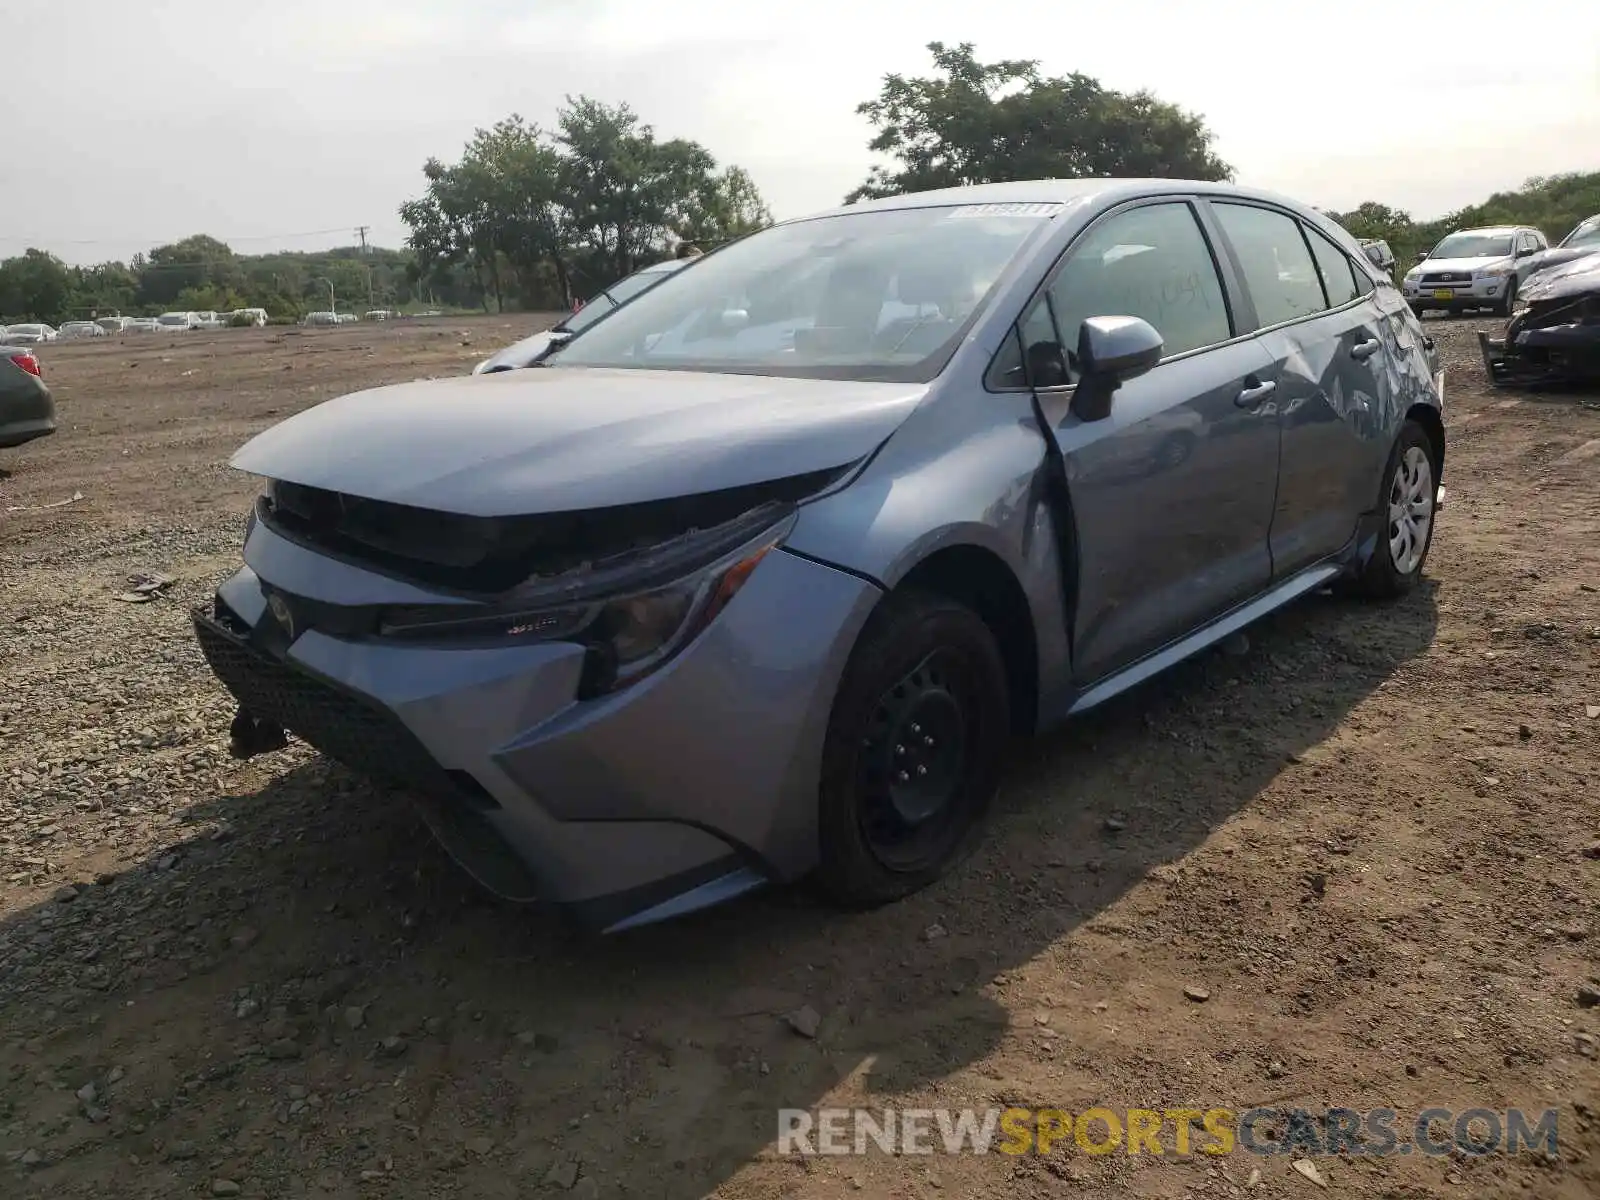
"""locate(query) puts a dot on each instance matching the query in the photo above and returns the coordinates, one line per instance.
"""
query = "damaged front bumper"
(1551, 351)
(619, 807)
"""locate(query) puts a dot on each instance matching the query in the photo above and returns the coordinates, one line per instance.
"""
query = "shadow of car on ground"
(311, 990)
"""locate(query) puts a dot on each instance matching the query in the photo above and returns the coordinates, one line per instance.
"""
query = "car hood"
(1557, 255)
(1575, 277)
(564, 439)
(1431, 265)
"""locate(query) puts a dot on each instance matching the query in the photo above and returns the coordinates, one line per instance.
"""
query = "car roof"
(1058, 191)
(1491, 229)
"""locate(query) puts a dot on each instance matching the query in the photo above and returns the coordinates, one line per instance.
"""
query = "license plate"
(1444, 294)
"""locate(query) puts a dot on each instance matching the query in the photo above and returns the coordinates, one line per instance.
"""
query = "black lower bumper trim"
(275, 695)
(342, 724)
(604, 912)
(1548, 356)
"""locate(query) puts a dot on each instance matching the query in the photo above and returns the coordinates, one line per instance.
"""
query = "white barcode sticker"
(1005, 210)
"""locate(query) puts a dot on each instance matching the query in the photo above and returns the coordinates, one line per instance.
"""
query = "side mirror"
(1111, 351)
(1422, 256)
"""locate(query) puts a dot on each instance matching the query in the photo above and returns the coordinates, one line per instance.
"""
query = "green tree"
(512, 172)
(631, 196)
(102, 289)
(975, 122)
(450, 229)
(729, 206)
(527, 212)
(195, 262)
(36, 286)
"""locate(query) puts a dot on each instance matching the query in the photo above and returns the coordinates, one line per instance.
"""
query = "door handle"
(1365, 350)
(1253, 395)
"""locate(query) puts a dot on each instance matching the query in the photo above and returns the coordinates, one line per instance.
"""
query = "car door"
(1527, 247)
(1326, 339)
(1171, 493)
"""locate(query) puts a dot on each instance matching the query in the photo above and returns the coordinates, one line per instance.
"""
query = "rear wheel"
(1407, 500)
(913, 750)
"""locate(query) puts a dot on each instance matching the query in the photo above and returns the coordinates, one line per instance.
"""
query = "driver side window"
(1151, 262)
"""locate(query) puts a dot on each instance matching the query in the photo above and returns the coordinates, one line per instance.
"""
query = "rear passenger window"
(1151, 262)
(1338, 276)
(1277, 265)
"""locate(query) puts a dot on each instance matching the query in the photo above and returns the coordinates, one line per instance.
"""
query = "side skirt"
(1131, 676)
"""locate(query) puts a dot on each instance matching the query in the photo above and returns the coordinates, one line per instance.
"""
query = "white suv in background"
(1474, 268)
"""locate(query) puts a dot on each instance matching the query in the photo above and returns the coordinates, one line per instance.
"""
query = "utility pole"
(361, 231)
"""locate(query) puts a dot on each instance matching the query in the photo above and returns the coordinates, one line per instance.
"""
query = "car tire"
(894, 814)
(1397, 560)
(1503, 308)
(1418, 310)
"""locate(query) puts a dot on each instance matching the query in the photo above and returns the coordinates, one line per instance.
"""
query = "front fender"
(967, 471)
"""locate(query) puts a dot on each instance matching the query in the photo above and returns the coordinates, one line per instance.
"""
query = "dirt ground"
(1373, 838)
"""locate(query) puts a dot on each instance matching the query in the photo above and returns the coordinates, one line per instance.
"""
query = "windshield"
(617, 294)
(874, 295)
(1586, 234)
(1474, 245)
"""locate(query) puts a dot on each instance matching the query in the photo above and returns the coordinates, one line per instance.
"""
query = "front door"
(1172, 492)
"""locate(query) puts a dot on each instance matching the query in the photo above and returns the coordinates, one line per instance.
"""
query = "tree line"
(204, 274)
(1552, 203)
(535, 218)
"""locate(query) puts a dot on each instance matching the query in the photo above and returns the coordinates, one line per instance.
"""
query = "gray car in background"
(754, 579)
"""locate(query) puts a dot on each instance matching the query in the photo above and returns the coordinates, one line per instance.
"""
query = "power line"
(243, 237)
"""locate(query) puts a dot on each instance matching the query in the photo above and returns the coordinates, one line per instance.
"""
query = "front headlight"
(1413, 275)
(1498, 271)
(628, 634)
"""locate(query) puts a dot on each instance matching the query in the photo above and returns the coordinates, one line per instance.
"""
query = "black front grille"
(484, 556)
(1448, 277)
(363, 736)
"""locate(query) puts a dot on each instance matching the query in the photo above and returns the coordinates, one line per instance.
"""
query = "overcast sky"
(286, 123)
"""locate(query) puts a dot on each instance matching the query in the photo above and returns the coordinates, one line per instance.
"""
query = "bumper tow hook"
(250, 735)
